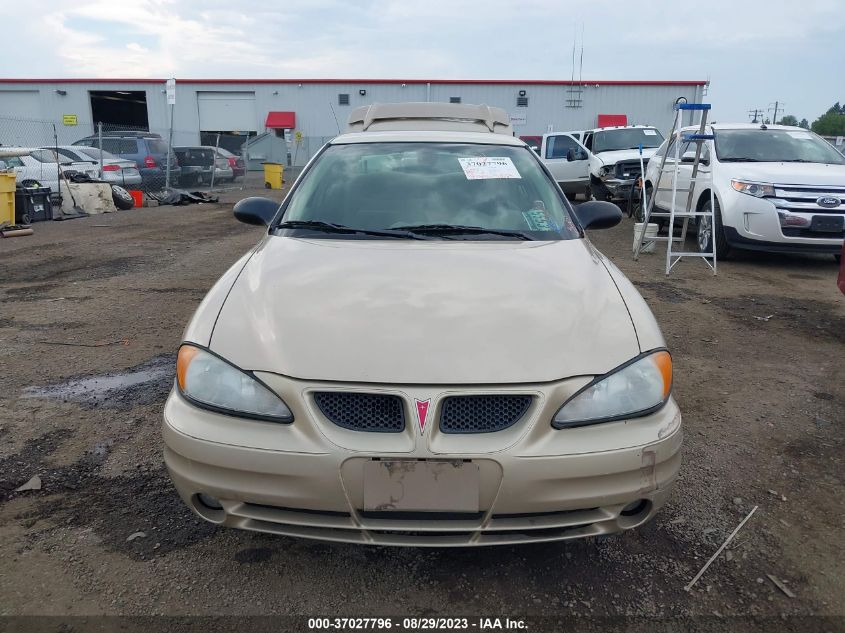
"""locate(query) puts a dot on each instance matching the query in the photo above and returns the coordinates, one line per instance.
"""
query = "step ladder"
(674, 256)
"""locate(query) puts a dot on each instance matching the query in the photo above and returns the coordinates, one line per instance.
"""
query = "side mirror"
(256, 210)
(598, 214)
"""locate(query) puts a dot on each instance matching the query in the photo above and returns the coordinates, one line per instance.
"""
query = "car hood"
(611, 158)
(788, 173)
(434, 312)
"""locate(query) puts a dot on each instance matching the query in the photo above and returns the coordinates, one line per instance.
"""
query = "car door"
(572, 175)
(684, 171)
(662, 189)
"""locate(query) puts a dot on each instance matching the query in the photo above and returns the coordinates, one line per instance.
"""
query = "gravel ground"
(92, 310)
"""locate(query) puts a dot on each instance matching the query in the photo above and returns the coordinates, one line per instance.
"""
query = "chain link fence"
(151, 160)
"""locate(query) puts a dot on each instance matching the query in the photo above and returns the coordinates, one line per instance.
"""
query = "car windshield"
(626, 138)
(434, 186)
(44, 155)
(774, 146)
(94, 153)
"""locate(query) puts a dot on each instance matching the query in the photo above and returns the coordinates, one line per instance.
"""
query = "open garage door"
(227, 111)
(120, 109)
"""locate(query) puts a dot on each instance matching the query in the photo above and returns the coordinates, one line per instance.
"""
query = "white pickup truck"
(602, 163)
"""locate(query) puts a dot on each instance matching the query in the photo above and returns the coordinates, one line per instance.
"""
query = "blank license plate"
(417, 486)
(828, 223)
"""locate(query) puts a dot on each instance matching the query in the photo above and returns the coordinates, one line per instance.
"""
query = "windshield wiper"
(796, 160)
(739, 159)
(331, 227)
(446, 229)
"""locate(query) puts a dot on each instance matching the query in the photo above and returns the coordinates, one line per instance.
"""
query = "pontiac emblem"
(422, 412)
(828, 202)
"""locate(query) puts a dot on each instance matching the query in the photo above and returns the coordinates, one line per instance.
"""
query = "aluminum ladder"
(673, 257)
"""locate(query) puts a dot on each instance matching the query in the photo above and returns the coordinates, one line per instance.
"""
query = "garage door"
(221, 111)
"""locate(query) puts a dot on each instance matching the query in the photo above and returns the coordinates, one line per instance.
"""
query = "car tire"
(123, 200)
(705, 233)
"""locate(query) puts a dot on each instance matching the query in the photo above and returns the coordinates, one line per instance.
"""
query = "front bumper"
(755, 224)
(536, 484)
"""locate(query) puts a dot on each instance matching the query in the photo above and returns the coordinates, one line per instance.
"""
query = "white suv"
(777, 188)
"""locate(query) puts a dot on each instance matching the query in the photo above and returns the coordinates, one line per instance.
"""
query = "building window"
(343, 99)
(522, 102)
(454, 99)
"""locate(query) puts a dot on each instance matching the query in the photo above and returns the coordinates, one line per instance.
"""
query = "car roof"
(424, 136)
(617, 127)
(747, 126)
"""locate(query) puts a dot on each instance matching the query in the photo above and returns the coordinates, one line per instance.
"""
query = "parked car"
(424, 349)
(235, 162)
(223, 171)
(197, 164)
(566, 160)
(777, 188)
(603, 163)
(146, 149)
(115, 170)
(31, 163)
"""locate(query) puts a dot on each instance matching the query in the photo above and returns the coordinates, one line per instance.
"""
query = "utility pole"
(776, 108)
(756, 112)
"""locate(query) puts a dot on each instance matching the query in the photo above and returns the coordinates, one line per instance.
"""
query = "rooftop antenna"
(581, 65)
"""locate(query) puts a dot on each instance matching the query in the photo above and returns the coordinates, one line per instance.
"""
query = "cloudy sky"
(754, 53)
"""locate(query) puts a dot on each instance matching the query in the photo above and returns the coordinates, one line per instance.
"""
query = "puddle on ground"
(147, 383)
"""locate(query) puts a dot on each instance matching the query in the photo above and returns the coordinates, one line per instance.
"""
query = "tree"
(831, 123)
(804, 123)
(789, 119)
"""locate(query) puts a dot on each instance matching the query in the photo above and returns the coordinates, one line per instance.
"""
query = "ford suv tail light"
(149, 161)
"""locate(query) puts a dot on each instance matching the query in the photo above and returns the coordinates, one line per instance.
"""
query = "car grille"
(483, 413)
(373, 412)
(804, 199)
(628, 169)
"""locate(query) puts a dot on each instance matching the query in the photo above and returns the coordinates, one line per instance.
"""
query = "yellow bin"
(273, 175)
(7, 197)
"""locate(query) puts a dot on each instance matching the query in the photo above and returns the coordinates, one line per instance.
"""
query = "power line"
(777, 105)
(755, 115)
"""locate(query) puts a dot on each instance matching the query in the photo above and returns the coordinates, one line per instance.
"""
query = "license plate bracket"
(421, 486)
(828, 223)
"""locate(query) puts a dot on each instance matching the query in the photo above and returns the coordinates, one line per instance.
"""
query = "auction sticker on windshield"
(650, 132)
(488, 167)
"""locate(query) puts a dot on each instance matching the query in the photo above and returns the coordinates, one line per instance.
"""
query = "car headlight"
(604, 172)
(756, 189)
(636, 388)
(211, 382)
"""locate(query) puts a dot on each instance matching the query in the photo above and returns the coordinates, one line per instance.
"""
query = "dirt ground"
(91, 313)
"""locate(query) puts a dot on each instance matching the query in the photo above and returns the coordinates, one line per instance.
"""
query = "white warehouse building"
(297, 116)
